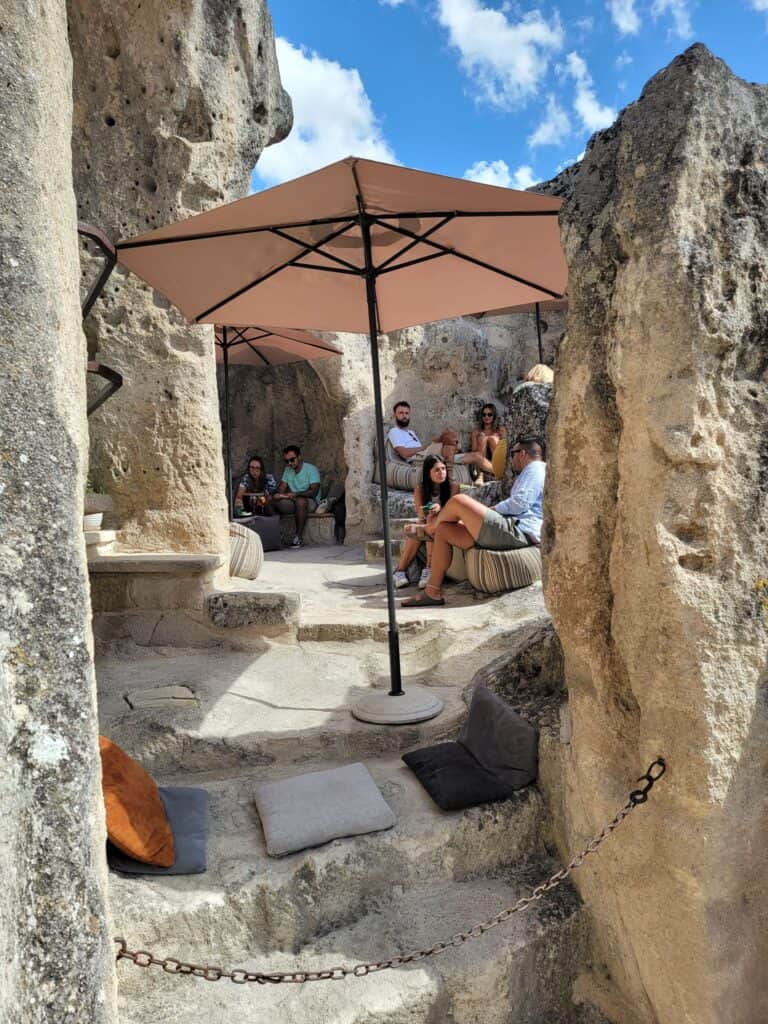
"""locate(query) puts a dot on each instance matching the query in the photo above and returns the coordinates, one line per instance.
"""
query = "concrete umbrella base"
(416, 705)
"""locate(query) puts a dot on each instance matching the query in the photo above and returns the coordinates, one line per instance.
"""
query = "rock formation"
(656, 543)
(173, 105)
(56, 953)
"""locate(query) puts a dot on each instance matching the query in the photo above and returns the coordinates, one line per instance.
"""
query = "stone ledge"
(234, 609)
(170, 563)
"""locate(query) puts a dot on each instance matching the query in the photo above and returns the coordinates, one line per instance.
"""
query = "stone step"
(280, 703)
(374, 550)
(248, 900)
(521, 971)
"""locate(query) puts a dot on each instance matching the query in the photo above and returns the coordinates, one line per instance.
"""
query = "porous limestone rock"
(656, 543)
(56, 953)
(173, 104)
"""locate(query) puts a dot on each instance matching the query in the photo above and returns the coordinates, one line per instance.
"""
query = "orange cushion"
(136, 820)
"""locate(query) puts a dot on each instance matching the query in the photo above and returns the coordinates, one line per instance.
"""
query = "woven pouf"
(493, 572)
(246, 554)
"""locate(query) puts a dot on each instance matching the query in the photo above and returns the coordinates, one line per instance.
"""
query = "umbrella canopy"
(440, 247)
(269, 346)
(360, 246)
(261, 346)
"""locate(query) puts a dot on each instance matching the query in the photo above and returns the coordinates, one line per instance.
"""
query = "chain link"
(239, 976)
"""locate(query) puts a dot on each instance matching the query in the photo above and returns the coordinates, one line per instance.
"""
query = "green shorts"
(500, 533)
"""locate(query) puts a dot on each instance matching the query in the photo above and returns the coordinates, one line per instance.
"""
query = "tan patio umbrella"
(261, 346)
(364, 247)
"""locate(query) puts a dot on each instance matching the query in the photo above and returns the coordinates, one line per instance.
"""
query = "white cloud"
(391, 3)
(624, 58)
(678, 11)
(555, 127)
(585, 25)
(332, 117)
(506, 60)
(759, 5)
(497, 172)
(593, 114)
(624, 16)
(569, 163)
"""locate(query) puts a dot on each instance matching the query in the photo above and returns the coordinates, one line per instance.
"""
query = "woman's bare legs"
(476, 459)
(457, 525)
(410, 550)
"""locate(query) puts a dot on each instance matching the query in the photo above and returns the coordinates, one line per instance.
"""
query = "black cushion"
(187, 811)
(500, 739)
(453, 778)
(496, 754)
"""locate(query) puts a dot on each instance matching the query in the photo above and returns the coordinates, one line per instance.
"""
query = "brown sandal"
(422, 600)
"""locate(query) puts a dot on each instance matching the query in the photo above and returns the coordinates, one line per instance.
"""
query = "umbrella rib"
(445, 250)
(407, 248)
(413, 263)
(330, 270)
(201, 236)
(265, 277)
(318, 248)
(259, 354)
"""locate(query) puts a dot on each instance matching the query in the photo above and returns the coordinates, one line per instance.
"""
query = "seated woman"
(485, 438)
(259, 486)
(429, 495)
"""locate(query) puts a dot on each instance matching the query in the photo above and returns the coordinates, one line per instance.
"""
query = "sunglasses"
(516, 451)
(486, 414)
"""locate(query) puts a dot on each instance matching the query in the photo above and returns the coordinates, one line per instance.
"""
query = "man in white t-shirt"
(406, 443)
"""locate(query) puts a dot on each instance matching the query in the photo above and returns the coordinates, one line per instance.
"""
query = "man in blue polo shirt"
(299, 490)
(466, 523)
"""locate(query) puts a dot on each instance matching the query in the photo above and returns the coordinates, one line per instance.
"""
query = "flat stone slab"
(171, 563)
(159, 697)
(284, 702)
(233, 609)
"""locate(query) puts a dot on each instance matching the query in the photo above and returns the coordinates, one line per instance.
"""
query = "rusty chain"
(171, 965)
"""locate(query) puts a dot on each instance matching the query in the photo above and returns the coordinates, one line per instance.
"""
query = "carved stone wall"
(656, 543)
(173, 104)
(56, 952)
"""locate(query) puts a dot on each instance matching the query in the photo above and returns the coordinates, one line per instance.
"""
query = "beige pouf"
(493, 572)
(246, 555)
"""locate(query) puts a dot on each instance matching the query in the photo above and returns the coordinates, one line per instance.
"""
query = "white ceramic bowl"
(93, 521)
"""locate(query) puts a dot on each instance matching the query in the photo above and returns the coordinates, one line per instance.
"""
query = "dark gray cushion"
(187, 811)
(314, 808)
(453, 778)
(503, 742)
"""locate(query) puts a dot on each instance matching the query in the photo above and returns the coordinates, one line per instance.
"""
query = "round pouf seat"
(493, 572)
(246, 555)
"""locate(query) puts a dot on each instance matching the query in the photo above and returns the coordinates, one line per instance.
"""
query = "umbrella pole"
(227, 424)
(396, 687)
(538, 333)
(419, 703)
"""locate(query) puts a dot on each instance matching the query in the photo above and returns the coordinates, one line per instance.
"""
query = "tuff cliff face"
(173, 103)
(656, 542)
(56, 953)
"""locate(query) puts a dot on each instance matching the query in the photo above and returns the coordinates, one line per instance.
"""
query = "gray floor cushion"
(496, 754)
(187, 811)
(311, 809)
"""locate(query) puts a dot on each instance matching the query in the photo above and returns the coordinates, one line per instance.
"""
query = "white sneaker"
(401, 580)
(424, 578)
(296, 542)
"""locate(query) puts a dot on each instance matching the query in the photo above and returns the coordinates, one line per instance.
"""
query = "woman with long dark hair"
(485, 439)
(259, 485)
(429, 495)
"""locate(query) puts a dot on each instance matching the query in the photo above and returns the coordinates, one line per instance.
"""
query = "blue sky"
(494, 90)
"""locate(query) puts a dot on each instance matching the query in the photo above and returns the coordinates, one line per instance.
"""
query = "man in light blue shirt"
(299, 490)
(466, 523)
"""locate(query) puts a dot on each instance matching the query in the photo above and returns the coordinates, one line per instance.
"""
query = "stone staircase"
(260, 715)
